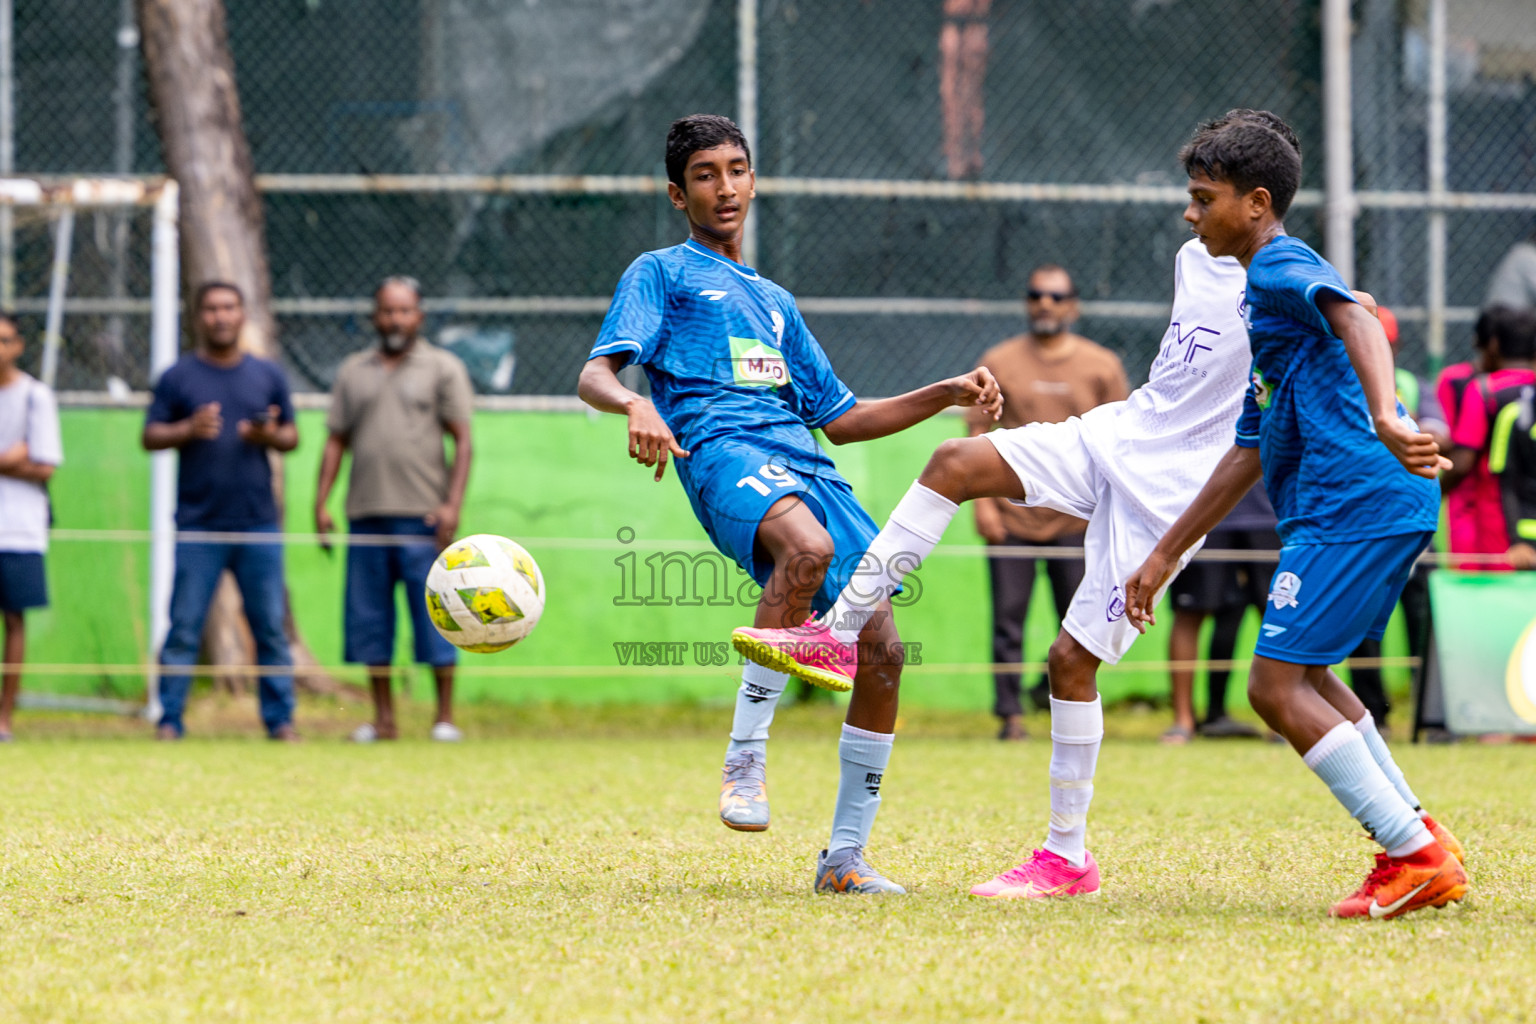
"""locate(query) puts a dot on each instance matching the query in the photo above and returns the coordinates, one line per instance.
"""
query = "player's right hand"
(979, 389)
(650, 440)
(1142, 588)
(206, 423)
(14, 456)
(1417, 451)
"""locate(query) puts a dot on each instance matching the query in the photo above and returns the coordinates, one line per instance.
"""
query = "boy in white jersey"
(1129, 468)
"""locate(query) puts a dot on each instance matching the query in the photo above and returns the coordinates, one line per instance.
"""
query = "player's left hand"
(1416, 450)
(445, 519)
(262, 431)
(979, 389)
(1142, 588)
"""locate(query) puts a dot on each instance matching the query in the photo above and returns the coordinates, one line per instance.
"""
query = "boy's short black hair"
(1250, 149)
(1267, 118)
(1515, 330)
(1493, 322)
(690, 134)
(7, 317)
(213, 286)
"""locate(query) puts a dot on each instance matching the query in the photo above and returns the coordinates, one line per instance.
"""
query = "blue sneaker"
(744, 792)
(846, 871)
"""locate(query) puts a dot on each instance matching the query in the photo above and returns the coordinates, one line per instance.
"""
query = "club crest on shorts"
(1115, 610)
(1285, 589)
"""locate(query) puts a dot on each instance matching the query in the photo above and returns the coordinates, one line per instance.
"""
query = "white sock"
(760, 691)
(1366, 727)
(863, 756)
(915, 526)
(1077, 732)
(1343, 762)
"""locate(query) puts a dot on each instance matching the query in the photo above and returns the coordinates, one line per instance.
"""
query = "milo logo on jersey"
(757, 364)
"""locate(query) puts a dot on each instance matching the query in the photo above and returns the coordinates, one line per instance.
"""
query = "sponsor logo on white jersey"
(1286, 586)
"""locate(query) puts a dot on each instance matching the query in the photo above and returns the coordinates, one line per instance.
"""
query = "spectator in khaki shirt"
(391, 406)
(1047, 375)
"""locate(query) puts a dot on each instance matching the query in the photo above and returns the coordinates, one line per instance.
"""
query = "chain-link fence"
(892, 137)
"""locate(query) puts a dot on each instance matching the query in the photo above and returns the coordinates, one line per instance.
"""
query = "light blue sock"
(1342, 760)
(760, 691)
(864, 756)
(1366, 727)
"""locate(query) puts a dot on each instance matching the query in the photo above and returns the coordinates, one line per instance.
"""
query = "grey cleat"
(846, 871)
(744, 792)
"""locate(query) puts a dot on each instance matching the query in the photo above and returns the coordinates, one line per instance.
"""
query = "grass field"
(566, 865)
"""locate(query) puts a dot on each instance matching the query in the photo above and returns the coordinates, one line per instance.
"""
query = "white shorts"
(1058, 471)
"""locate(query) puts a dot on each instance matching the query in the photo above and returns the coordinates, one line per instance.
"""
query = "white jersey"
(27, 413)
(1158, 447)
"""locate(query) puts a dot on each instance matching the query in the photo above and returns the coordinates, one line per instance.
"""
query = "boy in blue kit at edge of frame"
(1322, 424)
(738, 382)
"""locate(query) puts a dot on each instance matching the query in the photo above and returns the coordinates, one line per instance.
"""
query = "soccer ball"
(485, 593)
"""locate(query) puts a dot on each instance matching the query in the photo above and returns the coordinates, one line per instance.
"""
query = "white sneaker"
(446, 732)
(364, 733)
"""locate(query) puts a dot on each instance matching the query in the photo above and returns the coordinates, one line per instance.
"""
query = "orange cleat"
(1443, 836)
(1401, 885)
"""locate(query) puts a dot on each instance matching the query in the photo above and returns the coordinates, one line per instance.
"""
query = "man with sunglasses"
(1046, 375)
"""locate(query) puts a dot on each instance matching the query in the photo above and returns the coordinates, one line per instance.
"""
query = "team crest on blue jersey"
(758, 364)
(1262, 392)
(1284, 590)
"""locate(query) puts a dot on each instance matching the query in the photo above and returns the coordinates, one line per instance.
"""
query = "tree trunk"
(197, 114)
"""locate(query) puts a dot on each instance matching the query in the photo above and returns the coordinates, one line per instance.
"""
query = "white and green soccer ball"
(485, 593)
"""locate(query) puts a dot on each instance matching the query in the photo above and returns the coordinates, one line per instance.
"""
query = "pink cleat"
(808, 652)
(1044, 874)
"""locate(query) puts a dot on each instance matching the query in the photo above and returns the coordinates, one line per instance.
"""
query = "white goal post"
(60, 198)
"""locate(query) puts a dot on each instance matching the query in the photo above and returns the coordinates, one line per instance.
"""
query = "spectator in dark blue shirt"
(223, 409)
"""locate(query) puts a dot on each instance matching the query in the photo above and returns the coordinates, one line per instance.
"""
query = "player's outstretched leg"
(1414, 871)
(800, 550)
(822, 651)
(1064, 867)
(864, 753)
(1344, 700)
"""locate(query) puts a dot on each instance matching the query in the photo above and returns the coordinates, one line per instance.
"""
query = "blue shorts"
(1325, 598)
(731, 487)
(372, 572)
(23, 583)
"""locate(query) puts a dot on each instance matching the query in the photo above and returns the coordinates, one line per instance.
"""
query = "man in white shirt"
(29, 451)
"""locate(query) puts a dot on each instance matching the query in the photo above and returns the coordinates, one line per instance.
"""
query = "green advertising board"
(1485, 650)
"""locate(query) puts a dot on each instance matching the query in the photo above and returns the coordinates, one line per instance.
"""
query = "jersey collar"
(746, 272)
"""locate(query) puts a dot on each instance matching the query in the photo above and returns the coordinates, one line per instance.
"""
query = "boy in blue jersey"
(738, 383)
(1322, 423)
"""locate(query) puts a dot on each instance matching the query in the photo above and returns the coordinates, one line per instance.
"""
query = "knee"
(946, 469)
(1072, 669)
(1261, 697)
(809, 557)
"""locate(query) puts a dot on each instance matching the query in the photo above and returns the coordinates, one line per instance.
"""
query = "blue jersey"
(727, 355)
(223, 483)
(1330, 478)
